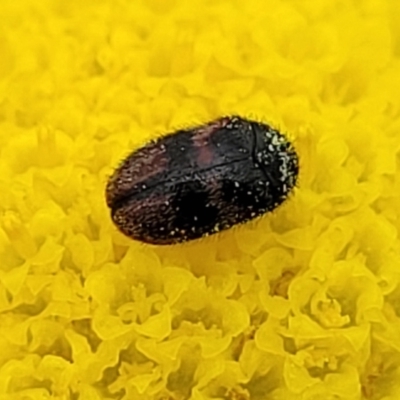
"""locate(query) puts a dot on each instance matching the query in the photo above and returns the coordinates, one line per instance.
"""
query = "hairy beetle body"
(199, 181)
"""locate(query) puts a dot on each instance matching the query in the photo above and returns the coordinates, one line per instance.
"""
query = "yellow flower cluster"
(303, 304)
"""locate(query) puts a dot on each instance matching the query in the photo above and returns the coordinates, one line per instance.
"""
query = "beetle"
(198, 181)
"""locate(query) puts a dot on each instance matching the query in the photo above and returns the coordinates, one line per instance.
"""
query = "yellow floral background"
(303, 304)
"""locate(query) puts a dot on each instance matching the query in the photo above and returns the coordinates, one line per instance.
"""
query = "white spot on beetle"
(275, 138)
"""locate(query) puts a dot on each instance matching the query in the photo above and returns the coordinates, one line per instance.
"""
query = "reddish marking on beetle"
(149, 162)
(200, 140)
(152, 164)
(205, 156)
(203, 133)
(143, 210)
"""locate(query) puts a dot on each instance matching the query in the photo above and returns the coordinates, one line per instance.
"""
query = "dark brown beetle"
(199, 181)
